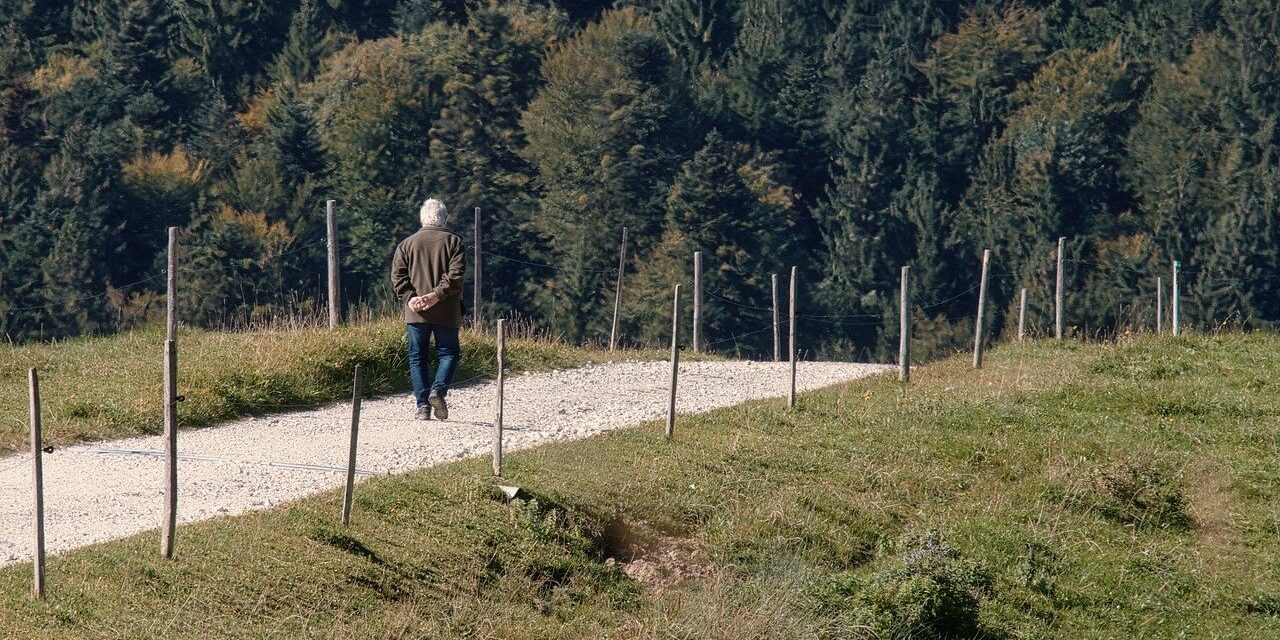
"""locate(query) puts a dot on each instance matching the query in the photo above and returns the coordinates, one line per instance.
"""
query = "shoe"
(438, 404)
(424, 413)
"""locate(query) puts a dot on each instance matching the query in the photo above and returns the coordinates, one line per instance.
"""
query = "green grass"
(110, 387)
(1064, 491)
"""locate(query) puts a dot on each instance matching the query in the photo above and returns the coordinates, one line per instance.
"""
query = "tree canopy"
(847, 138)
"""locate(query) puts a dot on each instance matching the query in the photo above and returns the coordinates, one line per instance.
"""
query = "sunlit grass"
(1092, 491)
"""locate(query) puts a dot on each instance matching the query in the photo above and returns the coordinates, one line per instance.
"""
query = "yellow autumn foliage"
(171, 171)
(60, 72)
(272, 237)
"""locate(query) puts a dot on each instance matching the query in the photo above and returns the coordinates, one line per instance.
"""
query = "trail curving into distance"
(107, 490)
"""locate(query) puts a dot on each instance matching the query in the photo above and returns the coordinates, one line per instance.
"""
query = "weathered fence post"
(696, 343)
(1160, 306)
(476, 318)
(617, 297)
(904, 328)
(791, 331)
(335, 282)
(777, 334)
(170, 523)
(982, 307)
(675, 362)
(357, 389)
(1058, 297)
(497, 410)
(1022, 316)
(37, 471)
(1174, 301)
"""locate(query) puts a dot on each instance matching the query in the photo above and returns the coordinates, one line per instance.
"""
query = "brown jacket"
(430, 260)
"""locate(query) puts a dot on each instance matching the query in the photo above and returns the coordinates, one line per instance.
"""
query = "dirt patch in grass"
(652, 558)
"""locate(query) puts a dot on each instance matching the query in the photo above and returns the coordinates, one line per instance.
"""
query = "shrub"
(929, 591)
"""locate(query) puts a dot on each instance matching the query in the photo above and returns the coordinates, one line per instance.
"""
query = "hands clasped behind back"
(419, 304)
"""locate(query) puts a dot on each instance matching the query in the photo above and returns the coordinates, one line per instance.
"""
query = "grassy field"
(110, 387)
(1064, 491)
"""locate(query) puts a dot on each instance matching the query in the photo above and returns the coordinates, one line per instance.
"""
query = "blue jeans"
(450, 352)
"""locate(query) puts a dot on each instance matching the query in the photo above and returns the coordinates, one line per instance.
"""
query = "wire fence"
(753, 319)
(743, 322)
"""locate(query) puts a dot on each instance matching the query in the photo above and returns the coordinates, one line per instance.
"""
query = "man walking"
(426, 276)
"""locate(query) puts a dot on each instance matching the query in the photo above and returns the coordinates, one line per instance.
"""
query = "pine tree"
(865, 242)
(291, 138)
(69, 241)
(870, 125)
(1238, 245)
(972, 75)
(772, 34)
(475, 143)
(234, 41)
(1054, 169)
(604, 135)
(727, 203)
(216, 136)
(698, 32)
(311, 38)
(17, 260)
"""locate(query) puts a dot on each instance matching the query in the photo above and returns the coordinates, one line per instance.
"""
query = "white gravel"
(108, 490)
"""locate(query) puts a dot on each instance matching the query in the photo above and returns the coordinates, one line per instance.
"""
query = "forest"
(845, 138)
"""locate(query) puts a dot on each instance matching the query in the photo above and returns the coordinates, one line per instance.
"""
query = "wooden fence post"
(357, 388)
(697, 302)
(675, 362)
(476, 318)
(617, 298)
(335, 282)
(37, 469)
(982, 307)
(1174, 299)
(170, 523)
(1159, 305)
(904, 328)
(777, 334)
(1022, 316)
(497, 418)
(1058, 296)
(791, 294)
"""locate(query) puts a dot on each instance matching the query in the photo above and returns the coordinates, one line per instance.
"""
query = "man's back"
(430, 260)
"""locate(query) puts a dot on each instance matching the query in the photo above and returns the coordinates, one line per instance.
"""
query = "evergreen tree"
(1204, 165)
(233, 40)
(374, 106)
(17, 260)
(605, 136)
(216, 136)
(699, 33)
(728, 203)
(68, 238)
(881, 133)
(311, 38)
(762, 52)
(475, 144)
(870, 125)
(1054, 170)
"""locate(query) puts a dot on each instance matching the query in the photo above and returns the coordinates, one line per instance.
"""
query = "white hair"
(433, 213)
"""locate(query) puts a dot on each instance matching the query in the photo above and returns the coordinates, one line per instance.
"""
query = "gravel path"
(107, 490)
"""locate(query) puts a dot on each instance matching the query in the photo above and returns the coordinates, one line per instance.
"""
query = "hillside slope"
(1066, 491)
